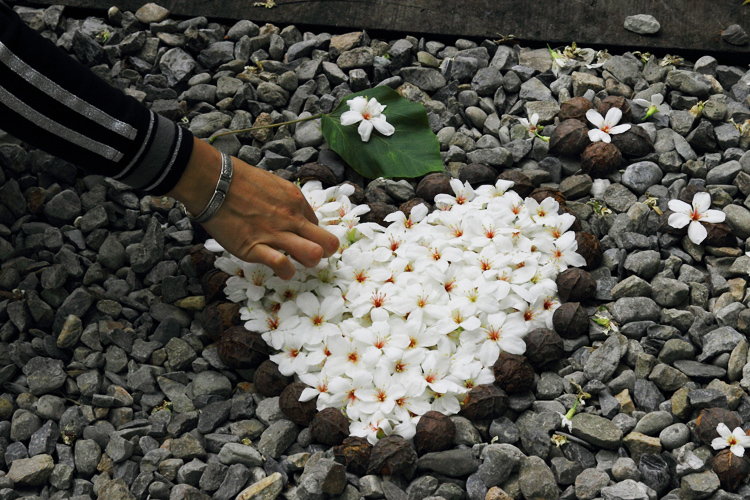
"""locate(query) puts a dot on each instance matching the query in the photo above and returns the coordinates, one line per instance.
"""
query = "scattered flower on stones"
(369, 115)
(685, 214)
(606, 126)
(735, 440)
(408, 318)
(531, 124)
(655, 107)
(567, 419)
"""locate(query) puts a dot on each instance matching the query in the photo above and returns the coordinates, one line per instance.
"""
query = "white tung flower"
(606, 126)
(369, 115)
(735, 440)
(685, 214)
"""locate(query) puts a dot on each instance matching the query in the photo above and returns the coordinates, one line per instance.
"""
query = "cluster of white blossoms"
(408, 318)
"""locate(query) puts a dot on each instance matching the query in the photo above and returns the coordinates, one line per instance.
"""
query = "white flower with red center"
(499, 334)
(606, 126)
(735, 440)
(693, 215)
(531, 124)
(369, 115)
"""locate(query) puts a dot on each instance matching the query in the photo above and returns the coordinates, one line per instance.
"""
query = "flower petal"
(679, 220)
(696, 232)
(737, 449)
(382, 126)
(714, 216)
(596, 135)
(614, 115)
(365, 130)
(357, 104)
(679, 206)
(595, 118)
(642, 102)
(350, 118)
(723, 431)
(619, 129)
(701, 202)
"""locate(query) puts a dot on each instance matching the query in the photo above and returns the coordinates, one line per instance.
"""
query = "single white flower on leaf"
(685, 214)
(369, 115)
(606, 126)
(735, 440)
(653, 107)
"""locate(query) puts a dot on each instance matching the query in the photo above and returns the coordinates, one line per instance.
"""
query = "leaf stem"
(260, 127)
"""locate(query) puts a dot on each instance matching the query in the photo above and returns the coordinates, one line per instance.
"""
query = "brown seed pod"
(688, 192)
(570, 138)
(242, 349)
(570, 320)
(269, 381)
(354, 454)
(299, 412)
(709, 419)
(719, 235)
(633, 143)
(513, 373)
(589, 248)
(521, 182)
(484, 402)
(600, 159)
(616, 101)
(219, 316)
(575, 285)
(315, 171)
(432, 185)
(540, 194)
(213, 283)
(731, 469)
(329, 427)
(435, 432)
(203, 260)
(408, 205)
(543, 347)
(575, 109)
(392, 455)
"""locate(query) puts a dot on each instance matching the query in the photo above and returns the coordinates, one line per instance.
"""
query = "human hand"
(262, 216)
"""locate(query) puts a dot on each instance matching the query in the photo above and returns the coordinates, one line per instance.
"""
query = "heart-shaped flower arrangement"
(407, 319)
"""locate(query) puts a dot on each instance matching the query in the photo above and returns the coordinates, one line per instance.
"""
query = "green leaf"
(412, 150)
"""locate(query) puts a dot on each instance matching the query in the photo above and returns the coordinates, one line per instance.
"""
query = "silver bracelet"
(220, 193)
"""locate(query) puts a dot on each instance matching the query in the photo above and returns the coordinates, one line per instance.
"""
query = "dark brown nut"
(633, 143)
(378, 212)
(316, 172)
(719, 235)
(269, 381)
(570, 138)
(589, 248)
(521, 182)
(435, 432)
(575, 109)
(570, 320)
(688, 192)
(330, 427)
(731, 469)
(576, 226)
(202, 260)
(219, 316)
(213, 283)
(299, 412)
(709, 419)
(575, 285)
(484, 402)
(540, 194)
(513, 373)
(393, 456)
(354, 454)
(407, 206)
(477, 173)
(432, 185)
(358, 196)
(543, 347)
(615, 101)
(600, 159)
(242, 349)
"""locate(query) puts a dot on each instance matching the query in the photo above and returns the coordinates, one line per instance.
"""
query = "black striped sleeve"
(54, 103)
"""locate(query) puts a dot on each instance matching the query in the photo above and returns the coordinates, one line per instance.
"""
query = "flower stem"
(260, 127)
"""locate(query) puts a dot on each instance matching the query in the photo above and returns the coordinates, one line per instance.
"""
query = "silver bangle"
(220, 192)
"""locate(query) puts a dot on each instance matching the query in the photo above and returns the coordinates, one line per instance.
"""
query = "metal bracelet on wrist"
(220, 192)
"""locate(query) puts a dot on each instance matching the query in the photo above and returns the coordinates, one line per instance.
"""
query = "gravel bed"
(111, 386)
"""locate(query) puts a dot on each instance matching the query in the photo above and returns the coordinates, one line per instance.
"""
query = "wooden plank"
(686, 25)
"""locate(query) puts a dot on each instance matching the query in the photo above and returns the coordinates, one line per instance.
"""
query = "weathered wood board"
(688, 25)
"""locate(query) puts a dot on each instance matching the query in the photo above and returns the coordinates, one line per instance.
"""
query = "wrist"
(196, 186)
